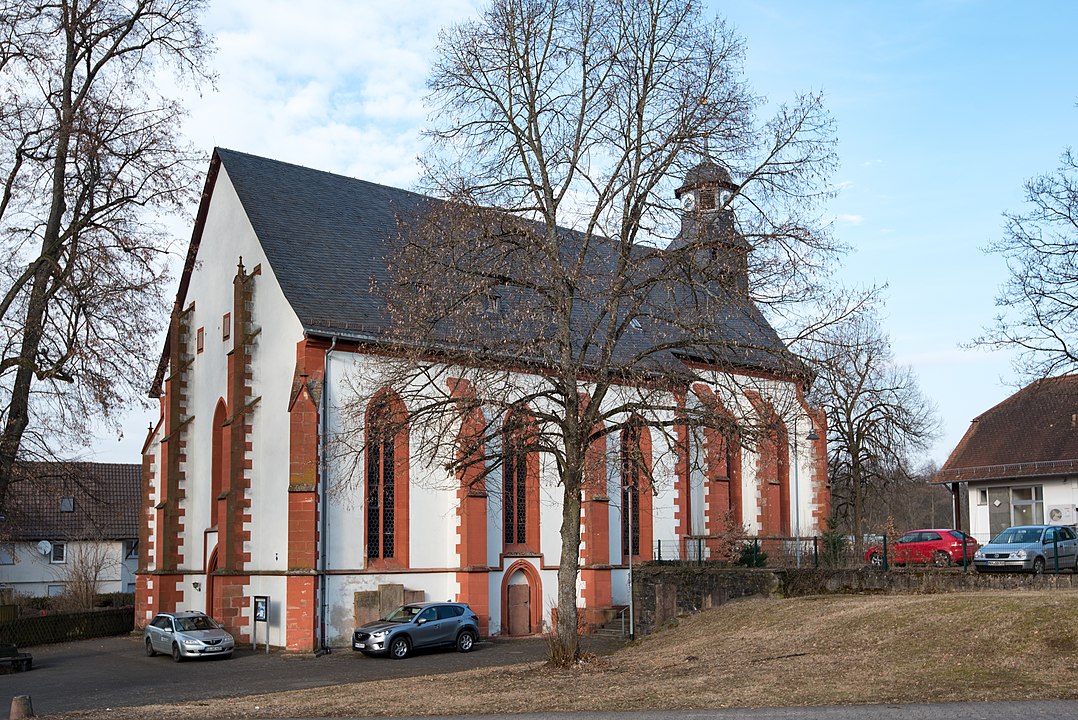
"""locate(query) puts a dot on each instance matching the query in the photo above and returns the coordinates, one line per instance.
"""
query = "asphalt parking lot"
(115, 672)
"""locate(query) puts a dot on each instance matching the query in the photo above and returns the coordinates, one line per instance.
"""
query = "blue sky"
(943, 110)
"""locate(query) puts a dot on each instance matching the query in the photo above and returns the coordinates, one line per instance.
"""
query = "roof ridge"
(351, 178)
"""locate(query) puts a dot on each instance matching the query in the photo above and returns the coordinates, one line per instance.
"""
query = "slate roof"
(1032, 433)
(325, 238)
(105, 501)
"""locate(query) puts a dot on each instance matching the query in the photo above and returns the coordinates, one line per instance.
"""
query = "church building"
(273, 313)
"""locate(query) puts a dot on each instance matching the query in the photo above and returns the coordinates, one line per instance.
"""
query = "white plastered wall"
(227, 236)
(434, 519)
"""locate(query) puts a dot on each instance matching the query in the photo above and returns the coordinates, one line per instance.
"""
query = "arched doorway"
(518, 598)
(521, 600)
(213, 603)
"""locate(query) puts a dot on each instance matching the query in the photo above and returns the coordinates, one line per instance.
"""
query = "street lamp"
(811, 437)
(632, 618)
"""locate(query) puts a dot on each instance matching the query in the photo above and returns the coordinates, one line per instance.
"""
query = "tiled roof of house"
(73, 501)
(1032, 433)
(325, 238)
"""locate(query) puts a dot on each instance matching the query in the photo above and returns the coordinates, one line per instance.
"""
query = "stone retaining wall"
(662, 592)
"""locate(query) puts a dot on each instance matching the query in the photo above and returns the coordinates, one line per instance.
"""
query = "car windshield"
(189, 624)
(403, 614)
(1018, 535)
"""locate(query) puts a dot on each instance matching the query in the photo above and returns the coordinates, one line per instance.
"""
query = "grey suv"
(186, 635)
(419, 625)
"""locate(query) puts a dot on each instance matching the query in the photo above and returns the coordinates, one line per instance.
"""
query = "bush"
(834, 547)
(752, 555)
(34, 603)
(116, 599)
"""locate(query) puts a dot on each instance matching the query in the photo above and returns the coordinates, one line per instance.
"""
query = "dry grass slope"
(755, 652)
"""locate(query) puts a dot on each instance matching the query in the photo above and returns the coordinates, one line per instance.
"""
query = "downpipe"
(323, 481)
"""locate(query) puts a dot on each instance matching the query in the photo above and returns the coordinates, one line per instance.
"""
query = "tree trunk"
(18, 416)
(565, 648)
(858, 536)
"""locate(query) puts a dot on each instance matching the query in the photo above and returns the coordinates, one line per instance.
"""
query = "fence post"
(815, 552)
(659, 550)
(755, 551)
(885, 551)
(1055, 550)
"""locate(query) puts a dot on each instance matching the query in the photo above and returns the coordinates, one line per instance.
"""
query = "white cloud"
(849, 218)
(334, 84)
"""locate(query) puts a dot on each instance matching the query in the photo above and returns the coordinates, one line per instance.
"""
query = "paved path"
(114, 672)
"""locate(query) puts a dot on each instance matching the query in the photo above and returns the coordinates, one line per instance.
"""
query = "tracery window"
(514, 482)
(381, 481)
(633, 475)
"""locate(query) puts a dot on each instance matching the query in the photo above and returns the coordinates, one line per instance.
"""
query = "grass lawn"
(1004, 645)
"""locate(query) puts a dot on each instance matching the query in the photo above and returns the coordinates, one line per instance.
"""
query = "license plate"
(996, 562)
(213, 649)
(360, 646)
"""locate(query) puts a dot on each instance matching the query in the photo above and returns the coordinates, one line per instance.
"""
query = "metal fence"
(831, 551)
(62, 627)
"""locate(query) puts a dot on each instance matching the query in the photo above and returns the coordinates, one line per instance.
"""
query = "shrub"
(752, 555)
(834, 546)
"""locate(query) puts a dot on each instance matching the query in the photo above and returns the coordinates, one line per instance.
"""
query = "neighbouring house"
(1020, 460)
(274, 309)
(70, 522)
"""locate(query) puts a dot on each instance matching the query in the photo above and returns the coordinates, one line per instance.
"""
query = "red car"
(936, 546)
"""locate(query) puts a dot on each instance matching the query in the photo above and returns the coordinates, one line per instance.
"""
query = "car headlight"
(979, 555)
(194, 643)
(1020, 554)
(380, 635)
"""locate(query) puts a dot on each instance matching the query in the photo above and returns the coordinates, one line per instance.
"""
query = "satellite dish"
(44, 547)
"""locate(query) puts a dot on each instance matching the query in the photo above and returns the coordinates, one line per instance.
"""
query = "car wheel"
(176, 657)
(150, 652)
(465, 641)
(399, 647)
(876, 560)
(941, 559)
(1038, 566)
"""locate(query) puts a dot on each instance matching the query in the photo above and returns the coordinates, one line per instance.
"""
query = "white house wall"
(32, 574)
(1056, 491)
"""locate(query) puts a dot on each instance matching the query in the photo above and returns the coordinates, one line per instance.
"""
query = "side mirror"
(420, 621)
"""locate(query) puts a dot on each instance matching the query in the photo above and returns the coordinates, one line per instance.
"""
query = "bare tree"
(516, 337)
(89, 151)
(1039, 302)
(877, 417)
(907, 499)
(87, 560)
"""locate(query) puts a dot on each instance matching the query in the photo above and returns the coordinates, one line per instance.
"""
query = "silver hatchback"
(1030, 548)
(187, 635)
